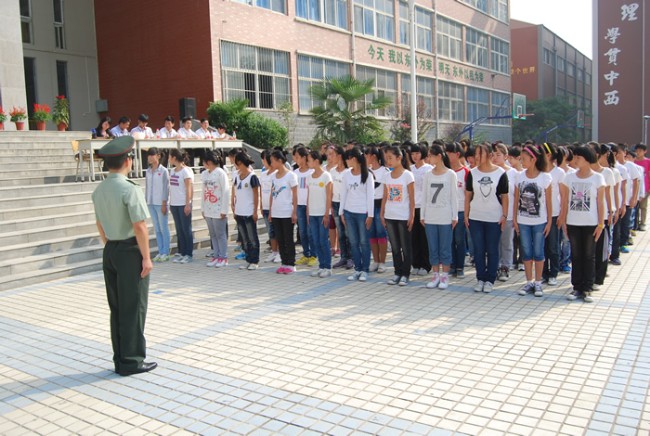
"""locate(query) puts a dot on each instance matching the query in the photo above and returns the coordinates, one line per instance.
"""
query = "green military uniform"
(119, 203)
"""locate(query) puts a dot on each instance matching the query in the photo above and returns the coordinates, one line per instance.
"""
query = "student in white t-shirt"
(319, 208)
(180, 192)
(216, 200)
(514, 161)
(506, 243)
(552, 243)
(397, 213)
(147, 133)
(335, 156)
(245, 200)
(204, 131)
(421, 266)
(283, 206)
(377, 233)
(565, 244)
(302, 174)
(532, 217)
(583, 214)
(458, 242)
(157, 196)
(486, 212)
(266, 183)
(439, 214)
(168, 131)
(357, 210)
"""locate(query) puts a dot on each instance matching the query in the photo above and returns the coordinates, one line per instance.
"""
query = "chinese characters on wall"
(522, 70)
(611, 95)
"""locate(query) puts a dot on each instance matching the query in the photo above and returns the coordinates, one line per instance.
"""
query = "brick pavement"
(252, 352)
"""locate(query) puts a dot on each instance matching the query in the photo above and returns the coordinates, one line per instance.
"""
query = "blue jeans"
(439, 238)
(485, 238)
(359, 243)
(161, 227)
(344, 243)
(320, 238)
(458, 246)
(377, 232)
(305, 234)
(249, 239)
(183, 224)
(532, 242)
(269, 225)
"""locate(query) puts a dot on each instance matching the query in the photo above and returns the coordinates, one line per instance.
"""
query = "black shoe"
(146, 367)
(616, 262)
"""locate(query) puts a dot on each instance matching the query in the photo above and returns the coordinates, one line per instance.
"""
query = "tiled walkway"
(253, 352)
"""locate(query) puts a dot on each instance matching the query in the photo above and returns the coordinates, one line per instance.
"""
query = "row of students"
(104, 129)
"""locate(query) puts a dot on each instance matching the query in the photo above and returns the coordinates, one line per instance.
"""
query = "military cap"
(117, 147)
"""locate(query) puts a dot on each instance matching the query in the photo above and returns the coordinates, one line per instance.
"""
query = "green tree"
(341, 114)
(549, 112)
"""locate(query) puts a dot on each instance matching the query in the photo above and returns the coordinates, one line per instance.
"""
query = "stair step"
(25, 225)
(41, 209)
(52, 170)
(36, 180)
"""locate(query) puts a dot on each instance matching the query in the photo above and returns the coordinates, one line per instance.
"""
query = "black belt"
(130, 241)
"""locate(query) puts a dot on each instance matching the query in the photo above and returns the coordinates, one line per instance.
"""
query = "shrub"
(262, 132)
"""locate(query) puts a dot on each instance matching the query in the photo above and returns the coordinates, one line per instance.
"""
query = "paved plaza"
(253, 352)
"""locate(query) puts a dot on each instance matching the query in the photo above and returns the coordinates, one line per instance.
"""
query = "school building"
(270, 51)
(544, 66)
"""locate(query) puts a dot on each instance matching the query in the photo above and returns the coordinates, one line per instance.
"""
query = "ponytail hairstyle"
(373, 150)
(180, 156)
(355, 153)
(398, 153)
(341, 152)
(316, 156)
(514, 151)
(266, 157)
(611, 159)
(586, 152)
(500, 146)
(438, 150)
(279, 155)
(243, 158)
(534, 151)
(215, 158)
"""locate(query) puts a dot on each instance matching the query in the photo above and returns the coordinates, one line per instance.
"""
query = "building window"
(259, 75)
(332, 12)
(495, 8)
(549, 57)
(478, 103)
(451, 102)
(561, 64)
(476, 48)
(587, 78)
(62, 78)
(375, 18)
(481, 5)
(274, 5)
(30, 83)
(449, 38)
(424, 97)
(26, 21)
(423, 31)
(580, 74)
(59, 29)
(500, 107)
(500, 55)
(311, 71)
(385, 86)
(570, 69)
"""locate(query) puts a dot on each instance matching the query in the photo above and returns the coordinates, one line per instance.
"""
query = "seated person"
(221, 132)
(122, 128)
(168, 132)
(102, 131)
(143, 120)
(204, 131)
(186, 131)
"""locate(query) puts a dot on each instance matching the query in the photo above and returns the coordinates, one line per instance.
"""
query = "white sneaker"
(552, 281)
(381, 268)
(487, 287)
(373, 267)
(479, 286)
(252, 266)
(435, 281)
(222, 262)
(316, 273)
(444, 281)
(277, 258)
(394, 280)
(404, 281)
(538, 290)
(210, 254)
(363, 276)
(245, 266)
(422, 272)
(325, 273)
(270, 258)
(354, 276)
(156, 259)
(177, 258)
(595, 287)
(185, 259)
(212, 262)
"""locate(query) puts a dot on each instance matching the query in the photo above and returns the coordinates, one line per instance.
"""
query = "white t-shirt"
(633, 171)
(513, 175)
(439, 198)
(531, 209)
(302, 185)
(187, 133)
(148, 133)
(244, 199)
(317, 199)
(167, 134)
(337, 183)
(625, 177)
(461, 176)
(583, 195)
(203, 134)
(641, 181)
(380, 174)
(418, 175)
(358, 197)
(266, 183)
(216, 193)
(610, 184)
(282, 194)
(177, 190)
(398, 201)
(487, 188)
(557, 174)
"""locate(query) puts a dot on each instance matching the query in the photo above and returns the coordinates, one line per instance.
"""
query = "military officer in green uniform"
(121, 211)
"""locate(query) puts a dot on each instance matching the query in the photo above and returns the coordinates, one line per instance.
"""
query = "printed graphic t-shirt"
(531, 209)
(488, 189)
(398, 202)
(583, 199)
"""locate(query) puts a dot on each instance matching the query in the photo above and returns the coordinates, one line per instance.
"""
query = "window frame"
(421, 30)
(476, 49)
(405, 92)
(307, 81)
(26, 23)
(362, 73)
(502, 60)
(449, 100)
(362, 11)
(272, 5)
(445, 39)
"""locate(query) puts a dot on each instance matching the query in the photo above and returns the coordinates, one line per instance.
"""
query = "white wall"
(12, 76)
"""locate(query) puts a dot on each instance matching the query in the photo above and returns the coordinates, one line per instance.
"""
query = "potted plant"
(61, 113)
(3, 118)
(41, 115)
(18, 115)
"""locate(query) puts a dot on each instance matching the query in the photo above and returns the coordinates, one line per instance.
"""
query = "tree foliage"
(342, 112)
(549, 112)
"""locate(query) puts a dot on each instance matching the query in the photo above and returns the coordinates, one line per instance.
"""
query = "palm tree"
(342, 114)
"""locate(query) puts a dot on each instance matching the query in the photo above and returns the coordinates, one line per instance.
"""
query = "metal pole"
(414, 84)
(645, 129)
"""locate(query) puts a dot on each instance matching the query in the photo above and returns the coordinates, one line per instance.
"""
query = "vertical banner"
(619, 54)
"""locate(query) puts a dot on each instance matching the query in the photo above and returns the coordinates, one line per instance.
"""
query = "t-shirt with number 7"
(440, 198)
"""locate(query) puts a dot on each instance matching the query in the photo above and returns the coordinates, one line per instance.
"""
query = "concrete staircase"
(47, 222)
